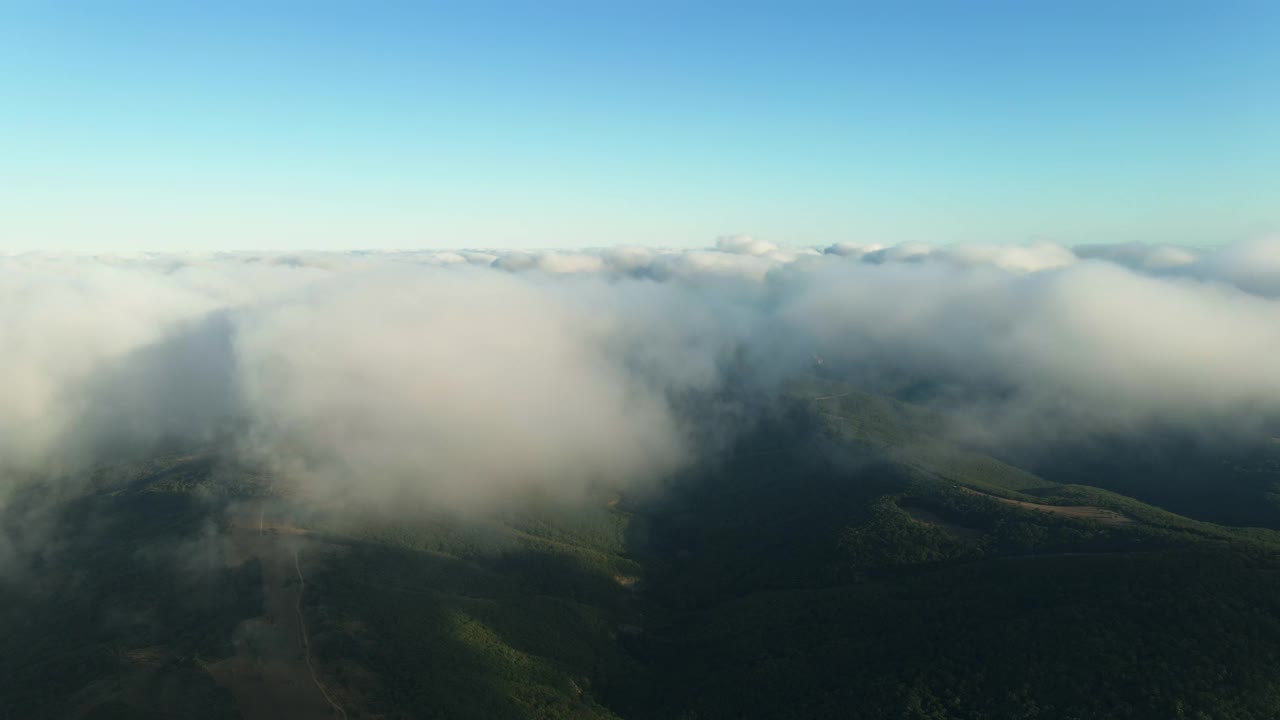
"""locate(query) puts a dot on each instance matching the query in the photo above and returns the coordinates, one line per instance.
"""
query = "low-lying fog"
(462, 376)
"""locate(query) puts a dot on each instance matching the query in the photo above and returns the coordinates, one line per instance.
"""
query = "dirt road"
(306, 640)
(272, 674)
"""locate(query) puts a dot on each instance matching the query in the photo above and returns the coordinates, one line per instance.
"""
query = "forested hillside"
(843, 559)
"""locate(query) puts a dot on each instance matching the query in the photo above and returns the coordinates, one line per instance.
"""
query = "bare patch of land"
(626, 581)
(1079, 512)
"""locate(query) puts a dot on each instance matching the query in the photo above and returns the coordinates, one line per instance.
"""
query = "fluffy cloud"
(1252, 266)
(1150, 258)
(461, 377)
(1018, 258)
(63, 323)
(745, 245)
(1082, 348)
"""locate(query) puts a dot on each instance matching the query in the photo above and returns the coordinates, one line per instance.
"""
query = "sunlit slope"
(916, 438)
(861, 575)
(514, 616)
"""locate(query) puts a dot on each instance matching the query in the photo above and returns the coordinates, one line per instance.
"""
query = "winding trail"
(306, 641)
(272, 674)
(302, 623)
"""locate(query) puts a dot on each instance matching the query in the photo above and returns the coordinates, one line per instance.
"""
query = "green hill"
(843, 559)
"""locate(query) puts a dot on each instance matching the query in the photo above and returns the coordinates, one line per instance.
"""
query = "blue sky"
(127, 125)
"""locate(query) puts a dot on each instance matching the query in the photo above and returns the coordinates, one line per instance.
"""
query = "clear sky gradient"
(243, 125)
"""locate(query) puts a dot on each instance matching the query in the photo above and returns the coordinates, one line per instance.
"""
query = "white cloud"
(744, 245)
(1017, 258)
(462, 377)
(1253, 266)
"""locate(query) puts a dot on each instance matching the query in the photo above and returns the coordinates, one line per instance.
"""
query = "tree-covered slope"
(843, 559)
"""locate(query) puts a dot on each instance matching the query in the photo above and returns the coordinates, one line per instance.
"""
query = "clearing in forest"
(1079, 512)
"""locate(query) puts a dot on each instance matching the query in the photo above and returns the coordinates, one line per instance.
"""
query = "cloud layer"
(463, 376)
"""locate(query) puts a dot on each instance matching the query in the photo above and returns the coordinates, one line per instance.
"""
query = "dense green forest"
(116, 616)
(843, 559)
(797, 595)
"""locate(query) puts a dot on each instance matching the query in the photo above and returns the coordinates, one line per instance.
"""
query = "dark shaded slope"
(796, 585)
(842, 559)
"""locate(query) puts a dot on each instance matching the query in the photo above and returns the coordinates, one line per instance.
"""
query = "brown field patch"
(1079, 512)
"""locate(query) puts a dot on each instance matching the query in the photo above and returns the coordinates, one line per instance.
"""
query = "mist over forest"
(639, 361)
(623, 482)
(460, 375)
